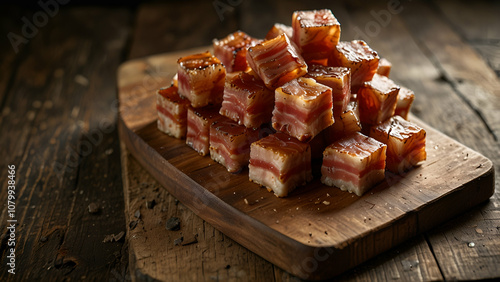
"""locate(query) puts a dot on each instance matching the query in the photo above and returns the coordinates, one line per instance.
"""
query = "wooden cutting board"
(318, 231)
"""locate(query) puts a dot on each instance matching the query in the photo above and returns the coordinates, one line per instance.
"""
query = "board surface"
(318, 231)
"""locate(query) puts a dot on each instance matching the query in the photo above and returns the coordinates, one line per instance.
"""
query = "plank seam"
(426, 236)
(453, 84)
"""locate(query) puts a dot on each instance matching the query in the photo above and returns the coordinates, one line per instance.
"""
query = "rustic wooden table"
(58, 125)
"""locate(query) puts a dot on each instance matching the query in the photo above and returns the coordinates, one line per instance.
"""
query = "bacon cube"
(405, 99)
(345, 124)
(232, 50)
(280, 163)
(201, 79)
(247, 100)
(339, 80)
(377, 99)
(198, 127)
(405, 143)
(303, 108)
(354, 163)
(359, 57)
(230, 144)
(172, 112)
(279, 29)
(276, 61)
(316, 34)
(384, 67)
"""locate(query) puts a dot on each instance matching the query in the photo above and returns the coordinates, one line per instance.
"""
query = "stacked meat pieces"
(296, 97)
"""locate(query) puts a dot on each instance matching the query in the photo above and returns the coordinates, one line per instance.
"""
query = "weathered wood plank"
(410, 262)
(213, 256)
(153, 251)
(64, 157)
(461, 65)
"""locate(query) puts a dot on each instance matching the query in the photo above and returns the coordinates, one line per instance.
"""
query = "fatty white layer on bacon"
(268, 179)
(354, 163)
(171, 127)
(364, 184)
(280, 163)
(303, 108)
(198, 132)
(233, 162)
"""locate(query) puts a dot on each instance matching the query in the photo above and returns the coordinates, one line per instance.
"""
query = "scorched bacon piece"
(172, 112)
(359, 57)
(276, 61)
(316, 34)
(201, 79)
(279, 29)
(354, 163)
(384, 67)
(405, 99)
(405, 143)
(232, 50)
(345, 124)
(303, 108)
(198, 127)
(230, 144)
(377, 99)
(247, 100)
(339, 80)
(280, 163)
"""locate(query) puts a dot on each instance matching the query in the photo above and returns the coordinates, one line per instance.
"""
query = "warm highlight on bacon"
(338, 79)
(280, 163)
(230, 144)
(359, 57)
(276, 61)
(198, 128)
(345, 124)
(316, 33)
(303, 108)
(279, 29)
(247, 100)
(377, 100)
(232, 50)
(354, 163)
(201, 79)
(403, 105)
(172, 112)
(384, 67)
(405, 143)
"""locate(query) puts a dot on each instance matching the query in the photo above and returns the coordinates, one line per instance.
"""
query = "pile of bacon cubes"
(298, 97)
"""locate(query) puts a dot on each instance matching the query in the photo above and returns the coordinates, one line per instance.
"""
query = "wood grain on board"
(299, 233)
